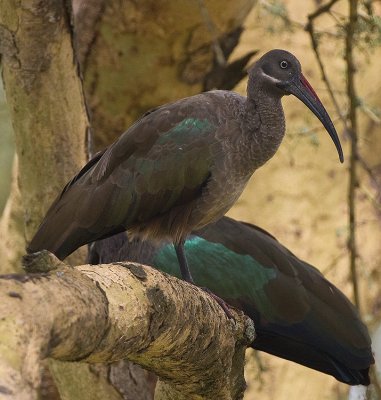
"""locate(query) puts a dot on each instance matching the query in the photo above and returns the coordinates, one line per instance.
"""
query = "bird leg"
(183, 263)
(186, 275)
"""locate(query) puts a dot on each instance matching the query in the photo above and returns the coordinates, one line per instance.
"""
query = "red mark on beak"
(307, 85)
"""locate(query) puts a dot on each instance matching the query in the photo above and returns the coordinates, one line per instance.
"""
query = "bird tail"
(61, 243)
(311, 357)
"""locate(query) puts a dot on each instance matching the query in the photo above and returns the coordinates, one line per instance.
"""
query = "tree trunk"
(46, 102)
(12, 244)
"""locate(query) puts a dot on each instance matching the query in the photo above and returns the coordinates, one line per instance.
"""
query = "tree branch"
(349, 121)
(352, 116)
(127, 311)
(321, 10)
(315, 47)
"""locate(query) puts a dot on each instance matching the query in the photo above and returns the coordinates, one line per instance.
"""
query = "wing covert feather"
(162, 161)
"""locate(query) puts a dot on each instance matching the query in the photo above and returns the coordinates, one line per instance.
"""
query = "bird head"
(281, 74)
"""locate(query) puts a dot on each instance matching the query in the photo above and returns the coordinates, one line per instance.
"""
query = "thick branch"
(127, 311)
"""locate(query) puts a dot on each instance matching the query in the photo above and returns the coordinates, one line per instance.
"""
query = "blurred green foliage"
(281, 21)
(6, 149)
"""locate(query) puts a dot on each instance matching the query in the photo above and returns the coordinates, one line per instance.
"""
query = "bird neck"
(267, 131)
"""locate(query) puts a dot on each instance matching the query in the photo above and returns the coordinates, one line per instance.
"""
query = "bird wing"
(297, 311)
(162, 161)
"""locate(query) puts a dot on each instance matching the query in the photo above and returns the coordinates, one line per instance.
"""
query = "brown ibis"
(181, 166)
(298, 314)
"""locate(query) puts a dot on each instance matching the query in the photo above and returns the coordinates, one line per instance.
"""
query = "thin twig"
(315, 46)
(375, 203)
(333, 264)
(368, 170)
(343, 117)
(352, 96)
(291, 23)
(321, 10)
(306, 132)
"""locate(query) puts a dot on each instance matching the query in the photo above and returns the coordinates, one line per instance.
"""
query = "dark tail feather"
(310, 357)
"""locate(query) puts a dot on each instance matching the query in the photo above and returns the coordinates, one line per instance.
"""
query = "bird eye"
(283, 64)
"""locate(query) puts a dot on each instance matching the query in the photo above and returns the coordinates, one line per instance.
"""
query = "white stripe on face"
(270, 78)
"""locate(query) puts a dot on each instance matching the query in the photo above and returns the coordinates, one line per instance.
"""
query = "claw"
(221, 302)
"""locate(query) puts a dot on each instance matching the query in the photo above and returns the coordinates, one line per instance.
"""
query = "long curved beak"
(301, 88)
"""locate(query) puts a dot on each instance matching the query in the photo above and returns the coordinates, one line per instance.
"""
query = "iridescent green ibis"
(298, 314)
(181, 166)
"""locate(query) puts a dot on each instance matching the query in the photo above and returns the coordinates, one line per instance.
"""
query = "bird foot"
(221, 302)
(41, 261)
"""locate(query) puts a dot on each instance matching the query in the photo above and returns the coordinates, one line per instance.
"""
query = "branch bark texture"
(12, 243)
(126, 311)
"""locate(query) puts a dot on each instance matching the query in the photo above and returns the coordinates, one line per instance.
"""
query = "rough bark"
(46, 102)
(138, 55)
(122, 380)
(127, 311)
(44, 94)
(12, 244)
(83, 381)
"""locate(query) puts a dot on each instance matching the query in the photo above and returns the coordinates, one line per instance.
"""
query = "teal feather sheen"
(231, 276)
(185, 130)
